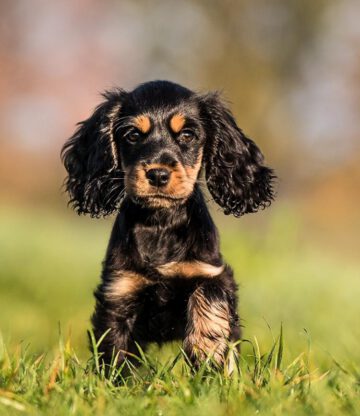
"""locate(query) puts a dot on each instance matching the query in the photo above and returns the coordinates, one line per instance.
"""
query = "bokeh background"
(291, 70)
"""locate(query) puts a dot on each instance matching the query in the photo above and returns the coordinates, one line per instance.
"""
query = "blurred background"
(291, 71)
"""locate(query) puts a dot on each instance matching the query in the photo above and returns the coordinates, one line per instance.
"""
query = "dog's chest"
(161, 246)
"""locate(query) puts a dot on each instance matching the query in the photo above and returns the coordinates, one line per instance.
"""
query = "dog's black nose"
(158, 177)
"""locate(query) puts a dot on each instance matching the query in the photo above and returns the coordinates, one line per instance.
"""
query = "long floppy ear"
(95, 179)
(235, 174)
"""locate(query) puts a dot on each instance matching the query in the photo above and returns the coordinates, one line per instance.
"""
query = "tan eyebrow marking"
(177, 122)
(143, 123)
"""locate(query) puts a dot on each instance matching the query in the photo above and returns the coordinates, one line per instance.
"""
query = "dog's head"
(151, 144)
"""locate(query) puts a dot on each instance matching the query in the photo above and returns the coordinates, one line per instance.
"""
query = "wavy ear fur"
(235, 174)
(95, 178)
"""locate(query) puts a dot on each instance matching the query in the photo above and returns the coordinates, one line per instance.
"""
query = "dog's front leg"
(119, 303)
(121, 335)
(211, 322)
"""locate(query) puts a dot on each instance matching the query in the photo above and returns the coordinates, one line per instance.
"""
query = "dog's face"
(151, 143)
(160, 144)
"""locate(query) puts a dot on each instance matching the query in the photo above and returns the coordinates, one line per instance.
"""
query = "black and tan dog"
(140, 155)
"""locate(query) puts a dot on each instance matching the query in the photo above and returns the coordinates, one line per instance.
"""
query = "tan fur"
(143, 123)
(209, 328)
(177, 122)
(189, 269)
(135, 180)
(156, 166)
(125, 283)
(180, 186)
(192, 171)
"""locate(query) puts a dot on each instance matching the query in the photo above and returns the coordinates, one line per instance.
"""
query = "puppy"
(140, 155)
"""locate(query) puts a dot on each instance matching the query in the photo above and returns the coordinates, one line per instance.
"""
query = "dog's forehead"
(161, 99)
(176, 113)
(160, 92)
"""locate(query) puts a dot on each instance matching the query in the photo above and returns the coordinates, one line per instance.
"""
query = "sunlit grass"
(49, 266)
(261, 383)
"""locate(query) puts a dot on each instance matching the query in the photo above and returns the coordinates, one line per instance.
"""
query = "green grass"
(49, 266)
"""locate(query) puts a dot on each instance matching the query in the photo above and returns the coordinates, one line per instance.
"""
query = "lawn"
(49, 266)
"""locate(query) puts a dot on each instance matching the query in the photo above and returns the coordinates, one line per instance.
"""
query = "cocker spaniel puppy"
(140, 155)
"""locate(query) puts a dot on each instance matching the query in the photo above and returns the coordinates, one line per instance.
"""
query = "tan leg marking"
(177, 122)
(125, 283)
(208, 328)
(189, 269)
(143, 123)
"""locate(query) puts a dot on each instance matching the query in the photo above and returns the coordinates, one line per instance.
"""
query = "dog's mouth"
(163, 196)
(158, 200)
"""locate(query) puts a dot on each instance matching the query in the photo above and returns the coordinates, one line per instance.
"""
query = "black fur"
(235, 174)
(108, 160)
(94, 181)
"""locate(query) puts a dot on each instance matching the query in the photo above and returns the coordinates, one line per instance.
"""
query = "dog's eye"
(187, 134)
(133, 136)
